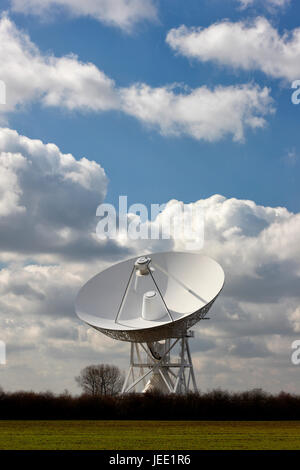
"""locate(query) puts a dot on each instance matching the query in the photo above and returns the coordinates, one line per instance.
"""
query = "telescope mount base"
(153, 367)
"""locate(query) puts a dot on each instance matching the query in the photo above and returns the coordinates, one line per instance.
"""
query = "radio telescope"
(152, 302)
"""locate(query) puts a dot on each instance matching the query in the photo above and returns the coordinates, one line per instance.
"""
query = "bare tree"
(102, 379)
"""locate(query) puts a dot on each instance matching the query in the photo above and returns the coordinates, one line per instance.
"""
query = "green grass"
(155, 435)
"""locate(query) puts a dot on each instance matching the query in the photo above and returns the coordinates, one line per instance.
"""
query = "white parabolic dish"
(182, 287)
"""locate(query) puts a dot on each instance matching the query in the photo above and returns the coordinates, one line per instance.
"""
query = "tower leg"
(191, 371)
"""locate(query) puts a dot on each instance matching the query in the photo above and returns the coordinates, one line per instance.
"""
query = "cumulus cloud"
(64, 81)
(245, 45)
(124, 14)
(48, 199)
(44, 290)
(10, 190)
(203, 113)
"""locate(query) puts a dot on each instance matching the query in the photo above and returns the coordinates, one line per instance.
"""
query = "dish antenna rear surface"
(152, 302)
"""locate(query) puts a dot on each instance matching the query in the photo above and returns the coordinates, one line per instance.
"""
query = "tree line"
(100, 399)
(213, 405)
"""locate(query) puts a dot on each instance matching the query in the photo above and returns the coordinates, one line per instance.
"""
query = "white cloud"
(65, 81)
(10, 191)
(248, 46)
(256, 245)
(268, 3)
(48, 199)
(124, 14)
(203, 113)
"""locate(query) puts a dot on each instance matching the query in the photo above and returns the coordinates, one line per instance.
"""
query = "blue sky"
(140, 162)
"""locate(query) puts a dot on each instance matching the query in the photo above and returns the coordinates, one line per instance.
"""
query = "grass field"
(155, 435)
